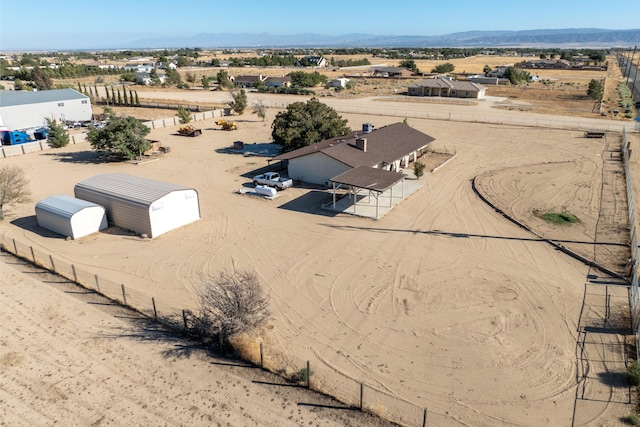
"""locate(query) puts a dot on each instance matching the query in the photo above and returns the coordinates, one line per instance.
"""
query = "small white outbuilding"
(70, 217)
(142, 205)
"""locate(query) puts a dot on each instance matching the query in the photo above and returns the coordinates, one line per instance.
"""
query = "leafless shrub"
(230, 304)
(13, 187)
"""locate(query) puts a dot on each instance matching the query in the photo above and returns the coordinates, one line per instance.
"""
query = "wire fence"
(472, 118)
(317, 374)
(634, 296)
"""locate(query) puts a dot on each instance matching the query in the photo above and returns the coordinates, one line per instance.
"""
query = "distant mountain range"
(571, 37)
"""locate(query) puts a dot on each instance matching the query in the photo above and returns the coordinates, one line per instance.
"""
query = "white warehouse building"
(142, 205)
(70, 217)
(23, 109)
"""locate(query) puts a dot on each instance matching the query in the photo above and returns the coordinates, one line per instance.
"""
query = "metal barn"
(70, 217)
(142, 205)
(23, 109)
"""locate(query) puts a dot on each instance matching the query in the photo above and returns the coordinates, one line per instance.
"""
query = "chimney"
(361, 144)
(367, 128)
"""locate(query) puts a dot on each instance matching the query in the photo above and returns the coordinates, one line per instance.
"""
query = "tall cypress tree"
(113, 95)
(79, 88)
(137, 100)
(131, 98)
(119, 98)
(106, 89)
(124, 90)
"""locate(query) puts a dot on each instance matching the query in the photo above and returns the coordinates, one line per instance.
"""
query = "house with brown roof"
(447, 88)
(547, 64)
(248, 81)
(387, 72)
(387, 149)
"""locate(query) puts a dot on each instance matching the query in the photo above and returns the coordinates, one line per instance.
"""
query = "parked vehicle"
(15, 137)
(272, 179)
(189, 130)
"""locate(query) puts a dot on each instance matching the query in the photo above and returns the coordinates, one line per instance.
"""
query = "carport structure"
(375, 181)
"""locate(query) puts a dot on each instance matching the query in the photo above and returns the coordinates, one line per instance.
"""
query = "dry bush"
(13, 187)
(230, 304)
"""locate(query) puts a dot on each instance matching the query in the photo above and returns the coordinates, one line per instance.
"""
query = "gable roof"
(384, 145)
(248, 79)
(10, 98)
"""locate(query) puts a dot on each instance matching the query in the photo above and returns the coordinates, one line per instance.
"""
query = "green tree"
(137, 99)
(122, 138)
(125, 97)
(41, 80)
(154, 77)
(58, 136)
(238, 102)
(205, 82)
(302, 79)
(14, 187)
(119, 98)
(303, 124)
(409, 64)
(131, 103)
(418, 169)
(445, 68)
(184, 115)
(18, 84)
(223, 79)
(517, 76)
(543, 56)
(595, 89)
(486, 70)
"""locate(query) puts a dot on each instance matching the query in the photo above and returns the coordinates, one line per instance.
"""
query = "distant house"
(391, 72)
(284, 81)
(142, 68)
(144, 77)
(339, 83)
(499, 71)
(447, 88)
(546, 64)
(248, 81)
(312, 61)
(389, 148)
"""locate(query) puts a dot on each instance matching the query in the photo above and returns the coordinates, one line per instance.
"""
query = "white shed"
(142, 205)
(70, 217)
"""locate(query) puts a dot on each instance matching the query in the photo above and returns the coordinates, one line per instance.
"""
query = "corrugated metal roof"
(9, 98)
(64, 206)
(370, 178)
(128, 187)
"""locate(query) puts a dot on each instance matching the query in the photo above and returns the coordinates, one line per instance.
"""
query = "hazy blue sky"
(64, 24)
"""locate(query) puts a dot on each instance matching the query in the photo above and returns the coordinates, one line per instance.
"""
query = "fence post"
(33, 255)
(97, 282)
(155, 312)
(75, 275)
(184, 317)
(424, 418)
(308, 375)
(261, 357)
(361, 395)
(53, 266)
(15, 248)
(124, 296)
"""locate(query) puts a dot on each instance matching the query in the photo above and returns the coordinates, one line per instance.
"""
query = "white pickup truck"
(272, 179)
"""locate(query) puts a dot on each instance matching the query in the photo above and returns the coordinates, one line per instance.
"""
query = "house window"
(84, 101)
(60, 104)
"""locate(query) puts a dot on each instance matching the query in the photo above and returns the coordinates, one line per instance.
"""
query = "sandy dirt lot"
(442, 304)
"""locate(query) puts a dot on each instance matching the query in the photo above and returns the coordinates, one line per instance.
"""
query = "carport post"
(33, 256)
